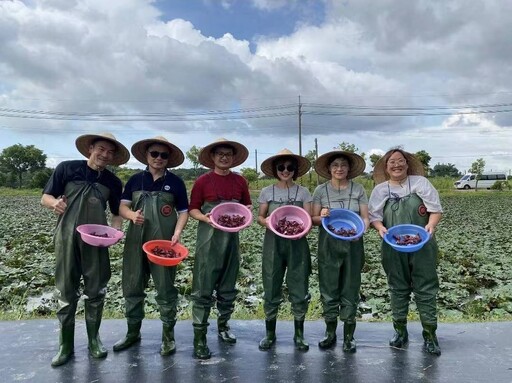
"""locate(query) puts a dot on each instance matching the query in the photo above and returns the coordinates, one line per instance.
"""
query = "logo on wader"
(422, 210)
(166, 210)
(93, 200)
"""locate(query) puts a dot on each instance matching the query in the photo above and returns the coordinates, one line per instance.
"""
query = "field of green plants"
(475, 264)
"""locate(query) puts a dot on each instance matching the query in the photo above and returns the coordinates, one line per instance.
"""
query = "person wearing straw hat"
(339, 262)
(78, 192)
(156, 204)
(217, 257)
(402, 195)
(283, 256)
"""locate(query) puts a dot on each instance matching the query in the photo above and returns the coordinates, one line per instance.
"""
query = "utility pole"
(316, 158)
(300, 127)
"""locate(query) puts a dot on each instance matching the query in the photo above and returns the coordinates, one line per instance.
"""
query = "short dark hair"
(282, 160)
(226, 146)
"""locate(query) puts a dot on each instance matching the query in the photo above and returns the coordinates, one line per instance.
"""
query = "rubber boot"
(270, 337)
(66, 346)
(168, 344)
(224, 334)
(349, 343)
(132, 336)
(96, 349)
(298, 338)
(431, 344)
(201, 350)
(330, 335)
(401, 337)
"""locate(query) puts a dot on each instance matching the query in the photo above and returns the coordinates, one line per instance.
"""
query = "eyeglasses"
(397, 162)
(163, 155)
(290, 168)
(224, 154)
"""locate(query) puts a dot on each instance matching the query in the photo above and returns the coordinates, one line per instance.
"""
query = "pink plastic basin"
(87, 233)
(290, 213)
(231, 209)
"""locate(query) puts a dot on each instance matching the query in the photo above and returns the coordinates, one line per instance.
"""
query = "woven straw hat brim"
(357, 163)
(83, 143)
(239, 158)
(139, 150)
(415, 168)
(303, 163)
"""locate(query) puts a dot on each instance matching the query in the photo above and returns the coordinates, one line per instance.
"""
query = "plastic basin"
(99, 235)
(406, 229)
(290, 213)
(344, 219)
(230, 209)
(150, 248)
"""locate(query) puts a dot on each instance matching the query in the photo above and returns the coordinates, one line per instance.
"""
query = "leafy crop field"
(475, 264)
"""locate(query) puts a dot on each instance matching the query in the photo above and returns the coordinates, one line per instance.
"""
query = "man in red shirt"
(217, 257)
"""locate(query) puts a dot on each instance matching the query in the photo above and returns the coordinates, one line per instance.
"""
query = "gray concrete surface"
(471, 352)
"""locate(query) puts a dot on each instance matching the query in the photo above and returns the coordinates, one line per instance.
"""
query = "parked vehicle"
(486, 180)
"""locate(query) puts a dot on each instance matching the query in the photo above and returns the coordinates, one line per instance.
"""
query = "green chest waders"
(74, 258)
(280, 256)
(160, 219)
(410, 272)
(86, 204)
(216, 265)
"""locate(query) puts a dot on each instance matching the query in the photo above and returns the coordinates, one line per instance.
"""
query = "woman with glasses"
(283, 256)
(156, 204)
(217, 256)
(339, 262)
(403, 196)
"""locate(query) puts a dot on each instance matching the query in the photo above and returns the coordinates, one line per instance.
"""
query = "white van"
(486, 180)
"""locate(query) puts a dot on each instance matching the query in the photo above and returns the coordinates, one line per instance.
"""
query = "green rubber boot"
(66, 346)
(270, 337)
(298, 338)
(201, 350)
(349, 343)
(168, 344)
(96, 349)
(224, 334)
(132, 336)
(330, 335)
(401, 337)
(431, 344)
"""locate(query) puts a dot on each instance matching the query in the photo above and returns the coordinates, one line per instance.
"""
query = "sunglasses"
(281, 168)
(163, 155)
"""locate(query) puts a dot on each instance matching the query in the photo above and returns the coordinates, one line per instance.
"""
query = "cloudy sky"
(431, 75)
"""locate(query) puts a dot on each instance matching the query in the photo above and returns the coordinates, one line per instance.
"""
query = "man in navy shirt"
(155, 201)
(78, 192)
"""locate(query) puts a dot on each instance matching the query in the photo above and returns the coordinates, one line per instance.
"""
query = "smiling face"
(339, 168)
(396, 166)
(155, 156)
(222, 157)
(286, 170)
(101, 154)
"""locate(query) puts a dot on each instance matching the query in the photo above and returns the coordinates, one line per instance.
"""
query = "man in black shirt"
(78, 192)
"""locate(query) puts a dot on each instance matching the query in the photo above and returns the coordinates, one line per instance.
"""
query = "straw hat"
(356, 162)
(415, 167)
(140, 148)
(83, 143)
(303, 163)
(239, 157)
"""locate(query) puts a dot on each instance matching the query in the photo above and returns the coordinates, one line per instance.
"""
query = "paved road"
(472, 352)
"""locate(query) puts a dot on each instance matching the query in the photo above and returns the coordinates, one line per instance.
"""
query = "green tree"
(374, 158)
(424, 158)
(250, 174)
(348, 147)
(477, 168)
(18, 160)
(40, 178)
(445, 170)
(193, 156)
